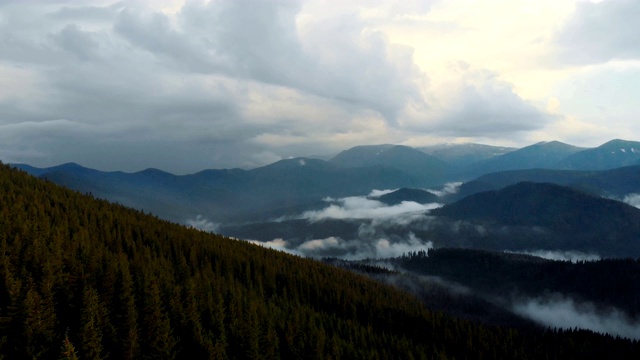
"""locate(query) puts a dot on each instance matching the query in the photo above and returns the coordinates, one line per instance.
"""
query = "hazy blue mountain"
(429, 169)
(282, 188)
(363, 155)
(406, 194)
(521, 217)
(555, 216)
(292, 186)
(615, 183)
(460, 155)
(613, 154)
(540, 155)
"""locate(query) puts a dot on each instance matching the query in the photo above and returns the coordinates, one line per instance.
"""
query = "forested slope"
(80, 276)
(608, 282)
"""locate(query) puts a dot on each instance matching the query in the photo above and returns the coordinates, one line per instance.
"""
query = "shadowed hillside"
(578, 220)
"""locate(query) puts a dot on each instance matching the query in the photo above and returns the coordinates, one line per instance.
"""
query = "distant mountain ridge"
(613, 154)
(461, 155)
(540, 155)
(616, 183)
(574, 219)
(403, 158)
(406, 194)
(227, 195)
(289, 186)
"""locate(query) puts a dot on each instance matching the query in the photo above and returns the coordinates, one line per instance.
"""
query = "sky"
(189, 85)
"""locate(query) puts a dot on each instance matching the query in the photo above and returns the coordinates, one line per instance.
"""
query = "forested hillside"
(83, 278)
(608, 282)
(565, 219)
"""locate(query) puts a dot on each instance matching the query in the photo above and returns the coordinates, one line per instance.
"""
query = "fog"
(447, 189)
(352, 249)
(558, 255)
(201, 223)
(566, 313)
(633, 200)
(365, 207)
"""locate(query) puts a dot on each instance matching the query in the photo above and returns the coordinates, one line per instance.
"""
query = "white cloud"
(360, 207)
(377, 193)
(447, 189)
(567, 314)
(573, 256)
(633, 200)
(276, 244)
(202, 223)
(386, 249)
(354, 249)
(478, 103)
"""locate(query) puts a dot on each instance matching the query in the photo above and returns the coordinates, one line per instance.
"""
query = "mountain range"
(391, 203)
(289, 186)
(85, 278)
(526, 217)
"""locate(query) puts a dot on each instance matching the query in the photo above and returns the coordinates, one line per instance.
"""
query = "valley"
(386, 204)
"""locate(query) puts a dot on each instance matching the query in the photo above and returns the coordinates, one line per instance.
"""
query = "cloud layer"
(360, 207)
(371, 240)
(211, 84)
(355, 249)
(566, 313)
(573, 256)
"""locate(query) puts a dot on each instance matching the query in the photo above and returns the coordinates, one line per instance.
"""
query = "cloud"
(600, 31)
(360, 207)
(201, 223)
(633, 200)
(566, 313)
(195, 81)
(386, 249)
(478, 103)
(447, 189)
(353, 249)
(276, 244)
(573, 256)
(210, 84)
(377, 193)
(377, 234)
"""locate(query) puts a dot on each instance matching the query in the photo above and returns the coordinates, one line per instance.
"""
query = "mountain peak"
(404, 158)
(612, 154)
(154, 172)
(295, 163)
(622, 144)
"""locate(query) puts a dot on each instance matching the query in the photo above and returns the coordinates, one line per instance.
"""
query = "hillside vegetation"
(608, 282)
(83, 278)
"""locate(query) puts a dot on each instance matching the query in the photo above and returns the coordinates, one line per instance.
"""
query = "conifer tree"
(67, 350)
(91, 325)
(159, 335)
(128, 328)
(38, 324)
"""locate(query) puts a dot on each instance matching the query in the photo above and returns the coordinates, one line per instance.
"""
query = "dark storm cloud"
(217, 84)
(334, 59)
(134, 76)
